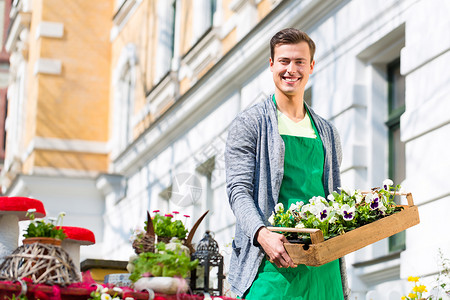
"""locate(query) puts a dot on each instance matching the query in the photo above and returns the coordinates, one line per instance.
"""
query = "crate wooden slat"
(320, 252)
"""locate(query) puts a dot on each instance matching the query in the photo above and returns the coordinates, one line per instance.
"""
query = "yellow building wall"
(31, 91)
(75, 104)
(70, 160)
(264, 7)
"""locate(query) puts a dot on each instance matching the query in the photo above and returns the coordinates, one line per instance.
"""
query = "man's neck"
(291, 106)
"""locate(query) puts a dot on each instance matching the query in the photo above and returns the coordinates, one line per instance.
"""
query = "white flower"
(369, 197)
(293, 207)
(104, 290)
(336, 206)
(322, 214)
(62, 214)
(300, 225)
(332, 220)
(387, 183)
(106, 297)
(31, 210)
(347, 212)
(117, 289)
(358, 197)
(271, 219)
(330, 197)
(279, 207)
(346, 190)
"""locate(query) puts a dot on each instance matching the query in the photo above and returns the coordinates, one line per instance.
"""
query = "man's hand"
(272, 244)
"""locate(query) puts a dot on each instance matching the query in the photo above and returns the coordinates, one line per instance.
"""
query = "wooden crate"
(320, 252)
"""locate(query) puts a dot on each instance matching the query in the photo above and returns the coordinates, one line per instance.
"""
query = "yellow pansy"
(413, 279)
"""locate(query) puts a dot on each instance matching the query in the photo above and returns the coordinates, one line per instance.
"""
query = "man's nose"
(290, 68)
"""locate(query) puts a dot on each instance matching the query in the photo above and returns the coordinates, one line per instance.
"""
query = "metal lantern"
(208, 276)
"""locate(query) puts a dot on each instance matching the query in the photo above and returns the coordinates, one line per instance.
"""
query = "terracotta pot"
(42, 240)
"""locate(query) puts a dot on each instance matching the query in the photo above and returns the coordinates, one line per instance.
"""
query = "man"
(280, 151)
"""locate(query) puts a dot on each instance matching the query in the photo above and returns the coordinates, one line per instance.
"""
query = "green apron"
(303, 171)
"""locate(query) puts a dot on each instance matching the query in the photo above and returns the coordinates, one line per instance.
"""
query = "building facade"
(122, 106)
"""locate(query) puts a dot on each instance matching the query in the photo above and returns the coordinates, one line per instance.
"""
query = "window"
(204, 17)
(166, 38)
(124, 82)
(396, 152)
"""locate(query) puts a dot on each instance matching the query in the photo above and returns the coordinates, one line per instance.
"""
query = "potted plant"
(162, 228)
(44, 231)
(164, 270)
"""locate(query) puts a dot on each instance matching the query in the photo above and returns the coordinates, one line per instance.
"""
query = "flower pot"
(42, 240)
(165, 285)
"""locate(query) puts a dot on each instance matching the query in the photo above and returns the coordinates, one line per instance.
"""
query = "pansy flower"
(272, 219)
(323, 214)
(279, 208)
(347, 212)
(387, 183)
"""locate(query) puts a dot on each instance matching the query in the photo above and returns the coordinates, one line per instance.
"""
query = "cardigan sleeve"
(240, 162)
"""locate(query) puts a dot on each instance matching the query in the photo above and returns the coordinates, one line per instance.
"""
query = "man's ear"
(270, 63)
(312, 66)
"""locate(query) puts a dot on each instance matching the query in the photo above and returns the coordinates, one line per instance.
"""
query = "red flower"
(176, 212)
(187, 216)
(168, 215)
(156, 211)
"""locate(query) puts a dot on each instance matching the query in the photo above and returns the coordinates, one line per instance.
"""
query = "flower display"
(169, 260)
(42, 228)
(104, 293)
(417, 290)
(167, 225)
(340, 212)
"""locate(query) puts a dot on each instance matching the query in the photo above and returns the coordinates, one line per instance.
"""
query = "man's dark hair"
(291, 36)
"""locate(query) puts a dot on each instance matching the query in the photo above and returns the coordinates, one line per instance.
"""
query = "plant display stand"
(320, 252)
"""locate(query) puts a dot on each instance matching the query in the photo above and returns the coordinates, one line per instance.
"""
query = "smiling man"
(280, 151)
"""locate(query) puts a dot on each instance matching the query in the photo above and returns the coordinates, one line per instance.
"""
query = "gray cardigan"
(254, 159)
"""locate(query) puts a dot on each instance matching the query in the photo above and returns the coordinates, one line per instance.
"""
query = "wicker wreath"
(42, 263)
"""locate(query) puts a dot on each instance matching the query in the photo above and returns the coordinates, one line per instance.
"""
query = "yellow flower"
(403, 297)
(412, 296)
(413, 279)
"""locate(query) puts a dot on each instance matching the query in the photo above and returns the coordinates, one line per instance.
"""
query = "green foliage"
(166, 226)
(42, 228)
(163, 263)
(339, 213)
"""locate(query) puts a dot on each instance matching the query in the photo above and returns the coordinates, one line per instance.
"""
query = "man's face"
(291, 67)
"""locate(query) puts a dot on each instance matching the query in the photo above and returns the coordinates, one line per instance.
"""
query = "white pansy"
(336, 206)
(358, 197)
(279, 207)
(293, 207)
(332, 220)
(271, 219)
(347, 190)
(369, 197)
(387, 183)
(330, 197)
(300, 225)
(299, 204)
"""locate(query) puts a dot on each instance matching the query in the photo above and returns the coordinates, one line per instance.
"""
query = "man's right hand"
(272, 244)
